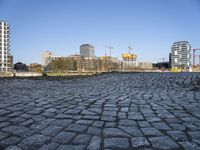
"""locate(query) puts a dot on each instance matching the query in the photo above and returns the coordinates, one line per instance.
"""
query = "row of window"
(5, 36)
(5, 41)
(5, 44)
(5, 53)
(1, 23)
(5, 48)
(5, 32)
(4, 57)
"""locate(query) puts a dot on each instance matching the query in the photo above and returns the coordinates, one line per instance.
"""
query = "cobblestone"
(109, 111)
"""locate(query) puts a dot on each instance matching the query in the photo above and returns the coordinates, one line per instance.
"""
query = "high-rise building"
(45, 59)
(180, 55)
(5, 58)
(87, 50)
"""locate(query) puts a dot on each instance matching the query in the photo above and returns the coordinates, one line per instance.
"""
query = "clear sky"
(61, 26)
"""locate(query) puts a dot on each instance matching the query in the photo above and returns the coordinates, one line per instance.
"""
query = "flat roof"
(87, 45)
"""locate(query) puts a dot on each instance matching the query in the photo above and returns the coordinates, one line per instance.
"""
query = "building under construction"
(130, 62)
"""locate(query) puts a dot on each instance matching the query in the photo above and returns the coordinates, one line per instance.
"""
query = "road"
(109, 111)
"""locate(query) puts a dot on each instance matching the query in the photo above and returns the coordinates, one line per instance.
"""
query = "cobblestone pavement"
(110, 111)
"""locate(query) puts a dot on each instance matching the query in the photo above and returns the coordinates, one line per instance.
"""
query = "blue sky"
(61, 26)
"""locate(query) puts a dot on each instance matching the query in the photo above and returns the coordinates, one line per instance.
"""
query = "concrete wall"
(27, 74)
(131, 65)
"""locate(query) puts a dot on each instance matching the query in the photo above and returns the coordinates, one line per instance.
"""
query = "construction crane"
(110, 49)
(129, 49)
(163, 59)
(194, 56)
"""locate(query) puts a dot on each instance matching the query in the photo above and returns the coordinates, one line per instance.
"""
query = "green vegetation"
(61, 65)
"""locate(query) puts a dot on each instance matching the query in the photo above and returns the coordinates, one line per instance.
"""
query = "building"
(87, 50)
(20, 67)
(5, 58)
(45, 58)
(161, 65)
(35, 67)
(180, 55)
(170, 60)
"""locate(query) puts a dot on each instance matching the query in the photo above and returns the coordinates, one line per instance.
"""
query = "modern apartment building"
(87, 50)
(5, 57)
(180, 55)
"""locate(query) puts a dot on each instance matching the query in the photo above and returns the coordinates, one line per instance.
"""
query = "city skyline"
(149, 27)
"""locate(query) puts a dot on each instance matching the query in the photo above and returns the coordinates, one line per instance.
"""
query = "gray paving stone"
(144, 124)
(159, 108)
(114, 132)
(72, 111)
(9, 141)
(94, 131)
(92, 117)
(98, 124)
(177, 126)
(13, 148)
(51, 110)
(84, 122)
(110, 124)
(18, 130)
(63, 137)
(161, 126)
(62, 122)
(134, 131)
(71, 147)
(33, 142)
(139, 142)
(4, 124)
(151, 131)
(51, 130)
(82, 139)
(195, 134)
(189, 146)
(76, 128)
(27, 122)
(136, 117)
(3, 135)
(163, 142)
(177, 135)
(63, 116)
(94, 143)
(127, 122)
(120, 143)
(50, 146)
(153, 119)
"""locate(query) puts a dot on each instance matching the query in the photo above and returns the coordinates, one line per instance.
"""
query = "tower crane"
(194, 56)
(163, 59)
(110, 48)
(129, 49)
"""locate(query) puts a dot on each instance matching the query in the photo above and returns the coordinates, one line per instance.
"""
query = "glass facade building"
(87, 50)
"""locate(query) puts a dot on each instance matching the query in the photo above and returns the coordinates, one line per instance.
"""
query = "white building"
(5, 58)
(180, 55)
(45, 57)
